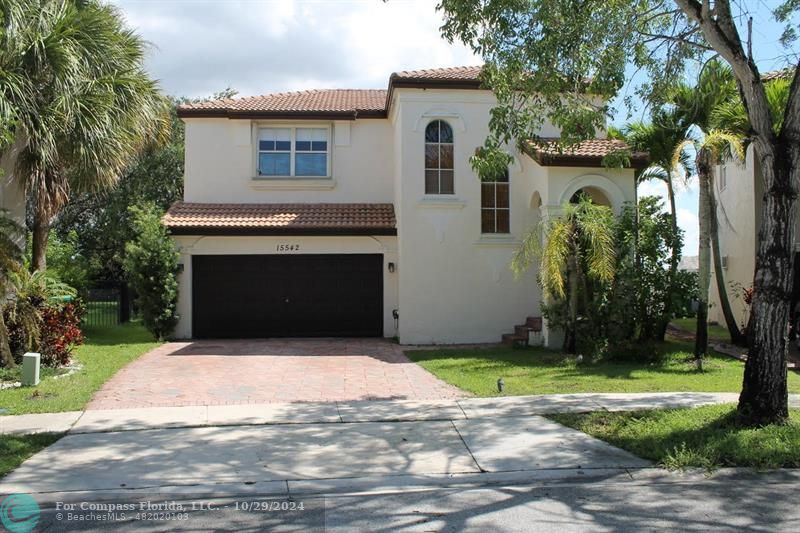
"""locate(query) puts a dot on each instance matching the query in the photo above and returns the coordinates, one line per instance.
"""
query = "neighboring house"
(739, 190)
(689, 263)
(12, 193)
(356, 213)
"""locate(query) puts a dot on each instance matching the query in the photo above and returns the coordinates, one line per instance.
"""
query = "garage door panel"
(288, 296)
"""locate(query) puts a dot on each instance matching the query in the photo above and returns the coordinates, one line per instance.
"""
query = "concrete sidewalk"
(93, 421)
(284, 449)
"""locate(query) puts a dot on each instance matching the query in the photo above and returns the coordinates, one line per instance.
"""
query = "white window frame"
(292, 149)
(495, 209)
(722, 177)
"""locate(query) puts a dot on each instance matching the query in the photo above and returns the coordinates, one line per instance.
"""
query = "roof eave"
(281, 115)
(278, 230)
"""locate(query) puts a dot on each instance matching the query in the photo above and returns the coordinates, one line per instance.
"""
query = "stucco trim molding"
(498, 241)
(613, 191)
(451, 117)
(292, 184)
(431, 202)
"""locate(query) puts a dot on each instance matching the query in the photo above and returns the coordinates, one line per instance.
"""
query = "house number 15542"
(288, 247)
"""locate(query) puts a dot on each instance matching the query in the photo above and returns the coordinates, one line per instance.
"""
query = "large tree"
(563, 59)
(81, 102)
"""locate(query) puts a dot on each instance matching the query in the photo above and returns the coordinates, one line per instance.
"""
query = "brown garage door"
(260, 296)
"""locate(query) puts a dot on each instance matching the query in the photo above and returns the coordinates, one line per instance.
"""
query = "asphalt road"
(764, 502)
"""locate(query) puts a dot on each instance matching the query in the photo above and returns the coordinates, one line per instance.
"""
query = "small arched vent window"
(439, 158)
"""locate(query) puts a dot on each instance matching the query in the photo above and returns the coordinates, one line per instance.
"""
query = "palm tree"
(694, 106)
(578, 245)
(662, 139)
(80, 98)
(10, 257)
(716, 147)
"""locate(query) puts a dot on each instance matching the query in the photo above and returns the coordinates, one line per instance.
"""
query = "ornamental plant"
(151, 264)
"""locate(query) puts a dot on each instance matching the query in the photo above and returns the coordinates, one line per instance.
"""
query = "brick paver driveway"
(275, 370)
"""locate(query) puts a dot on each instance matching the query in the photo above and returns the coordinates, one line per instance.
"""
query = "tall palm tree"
(662, 139)
(10, 257)
(694, 105)
(578, 245)
(80, 99)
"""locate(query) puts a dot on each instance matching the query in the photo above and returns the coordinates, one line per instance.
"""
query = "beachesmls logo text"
(19, 513)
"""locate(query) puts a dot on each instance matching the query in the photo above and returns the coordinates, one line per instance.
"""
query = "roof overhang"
(189, 218)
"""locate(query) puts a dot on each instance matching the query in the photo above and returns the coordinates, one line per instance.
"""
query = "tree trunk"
(737, 337)
(6, 357)
(41, 230)
(704, 253)
(571, 338)
(764, 398)
(673, 263)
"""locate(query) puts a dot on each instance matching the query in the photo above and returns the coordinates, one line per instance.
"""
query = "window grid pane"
(495, 208)
(439, 163)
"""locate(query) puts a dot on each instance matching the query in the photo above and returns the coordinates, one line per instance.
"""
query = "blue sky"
(200, 47)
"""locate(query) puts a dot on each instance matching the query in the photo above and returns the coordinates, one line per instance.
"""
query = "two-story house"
(356, 213)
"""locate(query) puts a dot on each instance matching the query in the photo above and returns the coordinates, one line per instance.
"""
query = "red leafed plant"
(747, 295)
(60, 333)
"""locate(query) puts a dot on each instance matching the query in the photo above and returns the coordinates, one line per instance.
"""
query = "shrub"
(41, 317)
(60, 333)
(151, 263)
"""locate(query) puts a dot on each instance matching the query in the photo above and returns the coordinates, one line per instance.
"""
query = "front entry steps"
(521, 337)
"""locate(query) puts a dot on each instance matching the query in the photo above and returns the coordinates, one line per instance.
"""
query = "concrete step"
(516, 341)
(534, 322)
(522, 330)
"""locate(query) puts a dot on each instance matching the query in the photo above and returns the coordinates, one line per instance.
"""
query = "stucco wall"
(455, 284)
(12, 194)
(221, 164)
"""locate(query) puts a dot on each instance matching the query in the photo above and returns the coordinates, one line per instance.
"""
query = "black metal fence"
(106, 306)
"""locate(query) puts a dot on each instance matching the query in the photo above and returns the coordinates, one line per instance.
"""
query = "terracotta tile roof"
(785, 73)
(345, 101)
(187, 217)
(440, 74)
(587, 153)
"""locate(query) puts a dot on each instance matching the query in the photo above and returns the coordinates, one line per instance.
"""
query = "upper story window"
(723, 177)
(439, 158)
(495, 210)
(287, 152)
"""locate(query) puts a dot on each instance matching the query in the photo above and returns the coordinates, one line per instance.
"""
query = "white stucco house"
(12, 191)
(356, 213)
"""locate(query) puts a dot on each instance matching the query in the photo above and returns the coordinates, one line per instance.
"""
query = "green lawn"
(14, 449)
(106, 351)
(706, 437)
(540, 371)
(715, 331)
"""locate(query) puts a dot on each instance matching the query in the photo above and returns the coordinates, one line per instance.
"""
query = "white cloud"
(259, 47)
(688, 221)
(653, 188)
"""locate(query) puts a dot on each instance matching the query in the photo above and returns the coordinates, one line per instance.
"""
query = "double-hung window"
(495, 208)
(293, 152)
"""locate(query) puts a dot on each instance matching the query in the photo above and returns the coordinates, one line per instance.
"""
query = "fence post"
(124, 303)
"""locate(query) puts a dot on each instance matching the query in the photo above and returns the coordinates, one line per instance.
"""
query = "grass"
(106, 351)
(705, 437)
(14, 449)
(715, 331)
(541, 371)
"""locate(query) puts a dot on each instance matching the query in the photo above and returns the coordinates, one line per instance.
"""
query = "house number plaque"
(287, 247)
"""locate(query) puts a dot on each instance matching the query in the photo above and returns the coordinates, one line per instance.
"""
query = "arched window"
(439, 158)
(495, 209)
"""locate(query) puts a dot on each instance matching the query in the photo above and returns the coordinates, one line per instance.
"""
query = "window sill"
(440, 201)
(264, 183)
(497, 239)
